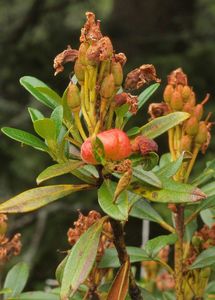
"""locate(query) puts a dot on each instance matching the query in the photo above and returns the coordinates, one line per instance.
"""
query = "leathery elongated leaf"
(16, 279)
(40, 91)
(119, 287)
(205, 259)
(81, 260)
(38, 295)
(146, 177)
(171, 192)
(25, 138)
(117, 210)
(160, 125)
(38, 197)
(58, 169)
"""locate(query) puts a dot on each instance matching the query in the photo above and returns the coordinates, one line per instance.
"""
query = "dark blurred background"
(168, 34)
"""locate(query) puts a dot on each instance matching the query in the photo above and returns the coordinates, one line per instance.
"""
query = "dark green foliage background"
(165, 33)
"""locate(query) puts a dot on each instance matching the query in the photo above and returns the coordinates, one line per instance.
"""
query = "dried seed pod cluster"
(179, 96)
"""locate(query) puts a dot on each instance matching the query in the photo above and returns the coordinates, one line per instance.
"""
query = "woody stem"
(119, 242)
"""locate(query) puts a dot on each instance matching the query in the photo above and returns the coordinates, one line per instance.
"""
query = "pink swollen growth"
(116, 145)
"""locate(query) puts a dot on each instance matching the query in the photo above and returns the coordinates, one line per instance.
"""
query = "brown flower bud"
(186, 91)
(192, 126)
(116, 70)
(177, 77)
(186, 143)
(67, 55)
(73, 97)
(139, 76)
(158, 110)
(107, 87)
(167, 95)
(79, 71)
(144, 145)
(176, 102)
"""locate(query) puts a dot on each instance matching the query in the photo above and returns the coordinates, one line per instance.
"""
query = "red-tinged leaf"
(38, 197)
(80, 260)
(119, 288)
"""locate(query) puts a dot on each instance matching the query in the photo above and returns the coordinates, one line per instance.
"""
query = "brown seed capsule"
(3, 224)
(186, 143)
(192, 99)
(198, 111)
(176, 102)
(202, 134)
(79, 71)
(185, 93)
(116, 70)
(73, 97)
(167, 95)
(107, 86)
(192, 126)
(188, 108)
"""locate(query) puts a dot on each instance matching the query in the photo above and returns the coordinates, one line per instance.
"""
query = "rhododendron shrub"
(87, 136)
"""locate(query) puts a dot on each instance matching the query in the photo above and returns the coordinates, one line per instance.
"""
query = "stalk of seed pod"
(74, 103)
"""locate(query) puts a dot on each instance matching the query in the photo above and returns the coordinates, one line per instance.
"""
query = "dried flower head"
(9, 247)
(68, 55)
(158, 110)
(144, 145)
(91, 31)
(124, 98)
(121, 58)
(139, 76)
(177, 77)
(165, 281)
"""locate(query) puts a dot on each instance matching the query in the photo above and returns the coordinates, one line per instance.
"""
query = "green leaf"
(16, 279)
(60, 270)
(36, 296)
(133, 131)
(57, 116)
(171, 168)
(35, 114)
(207, 216)
(146, 177)
(204, 259)
(25, 138)
(40, 91)
(160, 125)
(46, 128)
(171, 192)
(81, 260)
(38, 197)
(153, 246)
(147, 162)
(143, 210)
(111, 260)
(207, 174)
(209, 189)
(117, 210)
(143, 97)
(58, 169)
(99, 151)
